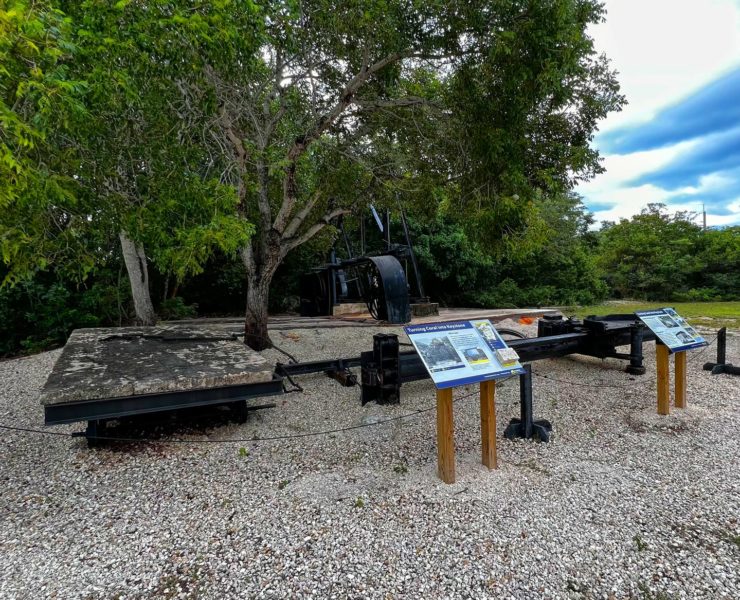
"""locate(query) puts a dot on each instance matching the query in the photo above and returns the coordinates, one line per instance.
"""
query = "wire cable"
(236, 440)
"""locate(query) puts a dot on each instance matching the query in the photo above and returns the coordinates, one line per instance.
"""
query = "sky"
(678, 139)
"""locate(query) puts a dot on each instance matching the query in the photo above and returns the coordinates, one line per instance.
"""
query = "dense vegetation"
(171, 158)
(572, 266)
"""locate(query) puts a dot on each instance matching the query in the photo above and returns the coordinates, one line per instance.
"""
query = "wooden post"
(680, 366)
(445, 436)
(661, 359)
(488, 422)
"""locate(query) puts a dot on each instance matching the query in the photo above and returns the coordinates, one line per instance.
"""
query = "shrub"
(175, 308)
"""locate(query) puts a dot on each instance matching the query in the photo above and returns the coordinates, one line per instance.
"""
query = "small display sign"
(671, 329)
(462, 352)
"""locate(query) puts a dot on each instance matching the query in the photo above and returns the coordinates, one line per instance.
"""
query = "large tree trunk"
(138, 275)
(261, 267)
(255, 324)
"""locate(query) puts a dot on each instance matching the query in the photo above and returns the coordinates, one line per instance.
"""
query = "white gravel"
(621, 504)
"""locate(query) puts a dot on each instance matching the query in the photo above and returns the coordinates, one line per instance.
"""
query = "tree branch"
(297, 221)
(302, 143)
(399, 102)
(292, 243)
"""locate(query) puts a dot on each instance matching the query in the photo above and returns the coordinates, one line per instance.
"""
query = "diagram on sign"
(671, 329)
(462, 352)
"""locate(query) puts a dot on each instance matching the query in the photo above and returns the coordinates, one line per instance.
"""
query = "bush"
(175, 308)
(41, 313)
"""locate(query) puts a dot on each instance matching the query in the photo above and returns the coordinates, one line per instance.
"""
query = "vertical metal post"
(526, 427)
(722, 346)
(362, 235)
(680, 386)
(636, 338)
(721, 366)
(332, 282)
(525, 401)
(419, 286)
(388, 228)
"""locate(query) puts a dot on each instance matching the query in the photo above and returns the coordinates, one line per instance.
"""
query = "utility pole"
(704, 213)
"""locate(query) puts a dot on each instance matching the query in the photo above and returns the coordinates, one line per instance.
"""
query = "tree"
(719, 276)
(39, 102)
(480, 104)
(142, 167)
(306, 110)
(651, 255)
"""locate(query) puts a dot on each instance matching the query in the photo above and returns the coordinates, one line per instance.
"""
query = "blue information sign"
(671, 329)
(462, 352)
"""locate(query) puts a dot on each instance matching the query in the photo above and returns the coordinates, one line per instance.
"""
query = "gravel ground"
(621, 504)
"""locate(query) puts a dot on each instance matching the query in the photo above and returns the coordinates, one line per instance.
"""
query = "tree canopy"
(166, 135)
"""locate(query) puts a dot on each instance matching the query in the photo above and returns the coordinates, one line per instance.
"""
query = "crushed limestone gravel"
(621, 504)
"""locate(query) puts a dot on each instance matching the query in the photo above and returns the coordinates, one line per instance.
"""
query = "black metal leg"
(526, 427)
(239, 411)
(635, 367)
(721, 366)
(94, 429)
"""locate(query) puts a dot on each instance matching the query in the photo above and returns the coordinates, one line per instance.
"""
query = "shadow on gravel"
(138, 433)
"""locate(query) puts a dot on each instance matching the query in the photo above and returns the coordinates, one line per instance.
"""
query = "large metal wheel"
(372, 291)
(315, 295)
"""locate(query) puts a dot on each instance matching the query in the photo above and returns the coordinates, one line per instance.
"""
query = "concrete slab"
(129, 361)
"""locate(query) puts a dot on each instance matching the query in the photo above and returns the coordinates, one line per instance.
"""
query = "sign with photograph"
(671, 329)
(462, 352)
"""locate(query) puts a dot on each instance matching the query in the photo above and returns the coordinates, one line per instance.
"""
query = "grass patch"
(710, 314)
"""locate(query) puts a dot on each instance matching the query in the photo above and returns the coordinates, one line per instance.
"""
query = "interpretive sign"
(671, 329)
(462, 352)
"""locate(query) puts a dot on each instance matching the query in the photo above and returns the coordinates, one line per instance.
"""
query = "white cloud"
(624, 167)
(663, 50)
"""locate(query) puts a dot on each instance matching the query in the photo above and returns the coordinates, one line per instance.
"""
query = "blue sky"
(678, 140)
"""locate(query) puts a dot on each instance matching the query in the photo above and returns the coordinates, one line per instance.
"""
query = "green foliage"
(145, 165)
(175, 308)
(39, 101)
(524, 112)
(656, 256)
(559, 268)
(562, 269)
(40, 313)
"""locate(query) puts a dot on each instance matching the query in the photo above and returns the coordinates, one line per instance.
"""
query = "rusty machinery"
(379, 279)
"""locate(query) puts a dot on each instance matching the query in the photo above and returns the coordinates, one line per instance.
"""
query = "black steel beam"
(528, 349)
(111, 408)
(317, 366)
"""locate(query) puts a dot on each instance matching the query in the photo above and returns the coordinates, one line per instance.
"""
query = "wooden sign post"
(445, 436)
(446, 430)
(662, 360)
(488, 423)
(459, 353)
(672, 334)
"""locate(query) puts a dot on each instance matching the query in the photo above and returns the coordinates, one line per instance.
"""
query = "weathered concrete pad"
(130, 361)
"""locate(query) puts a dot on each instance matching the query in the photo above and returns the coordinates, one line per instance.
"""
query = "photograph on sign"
(671, 329)
(461, 352)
